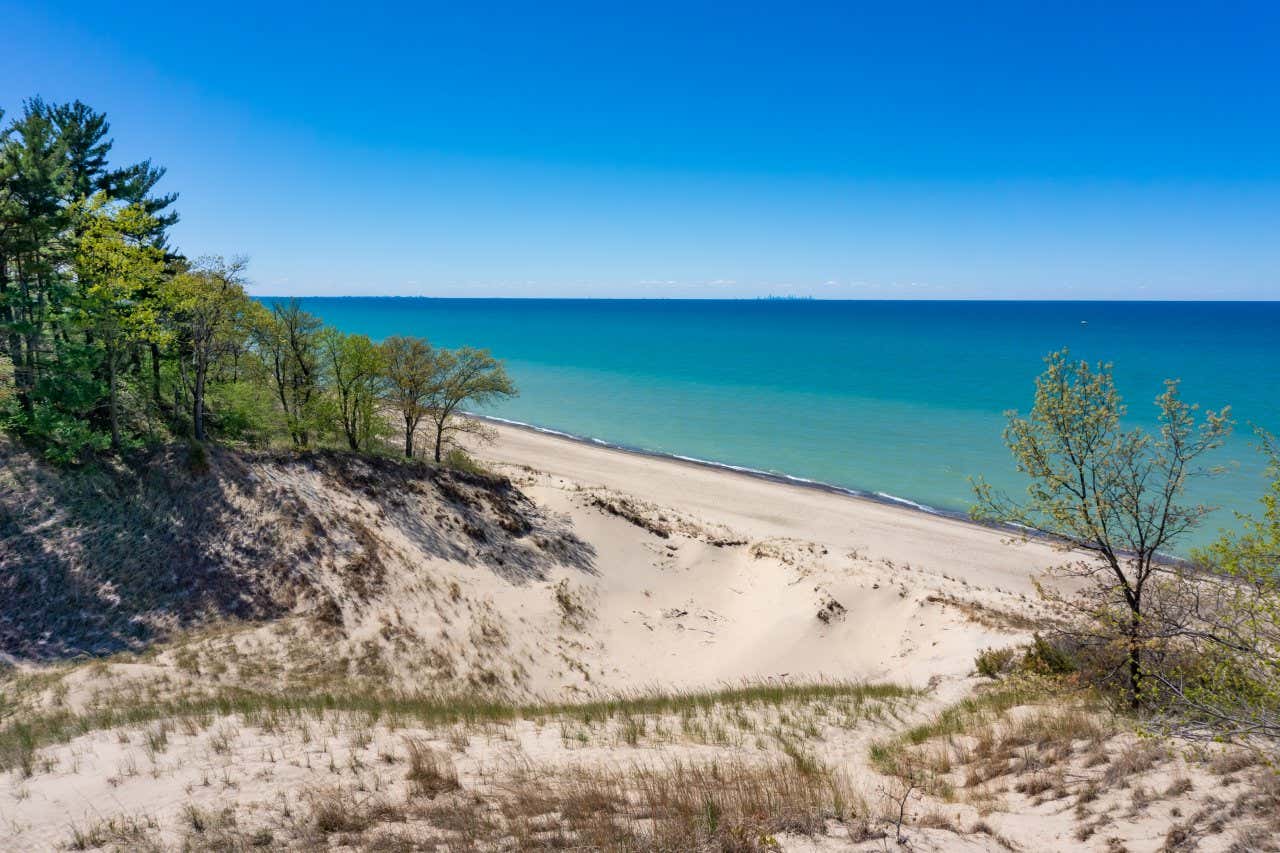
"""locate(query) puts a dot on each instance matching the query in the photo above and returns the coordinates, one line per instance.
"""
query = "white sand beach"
(751, 605)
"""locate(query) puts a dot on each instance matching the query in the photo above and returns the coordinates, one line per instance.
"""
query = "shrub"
(1040, 657)
(994, 663)
(243, 411)
(65, 439)
(1044, 657)
(460, 460)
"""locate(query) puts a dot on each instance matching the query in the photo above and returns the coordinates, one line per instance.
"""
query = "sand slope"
(590, 572)
(757, 578)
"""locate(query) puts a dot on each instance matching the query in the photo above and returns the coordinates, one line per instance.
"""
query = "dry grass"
(730, 805)
(627, 509)
(987, 616)
(431, 772)
(1045, 747)
(20, 738)
(128, 832)
(1010, 734)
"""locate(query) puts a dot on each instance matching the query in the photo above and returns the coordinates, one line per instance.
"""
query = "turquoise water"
(899, 398)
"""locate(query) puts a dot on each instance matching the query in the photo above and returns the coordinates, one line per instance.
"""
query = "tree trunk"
(30, 370)
(112, 407)
(197, 406)
(408, 439)
(350, 422)
(155, 376)
(20, 382)
(9, 317)
(439, 438)
(1135, 660)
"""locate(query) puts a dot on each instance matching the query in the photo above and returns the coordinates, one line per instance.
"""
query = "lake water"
(901, 399)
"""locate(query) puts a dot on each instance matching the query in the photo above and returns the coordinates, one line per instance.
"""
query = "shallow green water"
(903, 399)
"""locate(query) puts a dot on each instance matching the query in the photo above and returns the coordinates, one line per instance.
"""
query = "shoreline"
(778, 512)
(879, 498)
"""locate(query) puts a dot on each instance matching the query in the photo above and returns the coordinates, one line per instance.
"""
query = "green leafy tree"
(116, 265)
(34, 249)
(1113, 494)
(66, 337)
(355, 367)
(465, 376)
(412, 374)
(287, 339)
(209, 308)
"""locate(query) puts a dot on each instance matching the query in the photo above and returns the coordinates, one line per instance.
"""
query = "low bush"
(995, 663)
(1042, 657)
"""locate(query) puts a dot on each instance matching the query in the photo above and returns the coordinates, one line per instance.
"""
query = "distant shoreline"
(806, 298)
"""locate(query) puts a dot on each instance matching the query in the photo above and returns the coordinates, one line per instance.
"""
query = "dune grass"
(20, 738)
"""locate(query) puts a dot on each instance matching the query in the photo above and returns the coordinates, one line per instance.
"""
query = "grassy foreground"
(21, 737)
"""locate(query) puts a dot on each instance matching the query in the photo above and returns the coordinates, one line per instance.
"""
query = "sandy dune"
(737, 589)
(621, 574)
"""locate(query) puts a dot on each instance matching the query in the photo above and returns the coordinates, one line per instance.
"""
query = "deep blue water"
(902, 398)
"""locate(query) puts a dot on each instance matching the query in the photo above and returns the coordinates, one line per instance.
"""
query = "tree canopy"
(109, 338)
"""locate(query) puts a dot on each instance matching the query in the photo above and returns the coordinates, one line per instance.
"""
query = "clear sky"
(895, 150)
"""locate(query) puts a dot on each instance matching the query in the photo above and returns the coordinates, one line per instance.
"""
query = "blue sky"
(897, 150)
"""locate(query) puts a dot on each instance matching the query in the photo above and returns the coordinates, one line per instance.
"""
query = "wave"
(907, 502)
(772, 476)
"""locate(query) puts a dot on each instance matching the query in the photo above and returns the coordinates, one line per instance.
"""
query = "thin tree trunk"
(1135, 660)
(30, 372)
(408, 439)
(439, 437)
(112, 407)
(155, 376)
(20, 382)
(350, 422)
(15, 339)
(197, 406)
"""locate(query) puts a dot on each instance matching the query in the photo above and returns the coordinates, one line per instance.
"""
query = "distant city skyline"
(694, 150)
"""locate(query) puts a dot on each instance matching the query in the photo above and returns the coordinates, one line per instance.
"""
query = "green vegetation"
(1112, 493)
(1196, 646)
(1040, 657)
(110, 339)
(1231, 681)
(18, 740)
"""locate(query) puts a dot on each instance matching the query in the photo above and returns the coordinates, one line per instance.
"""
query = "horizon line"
(1121, 299)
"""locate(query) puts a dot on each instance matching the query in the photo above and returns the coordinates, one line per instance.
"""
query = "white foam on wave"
(533, 427)
(725, 465)
(905, 502)
(742, 469)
